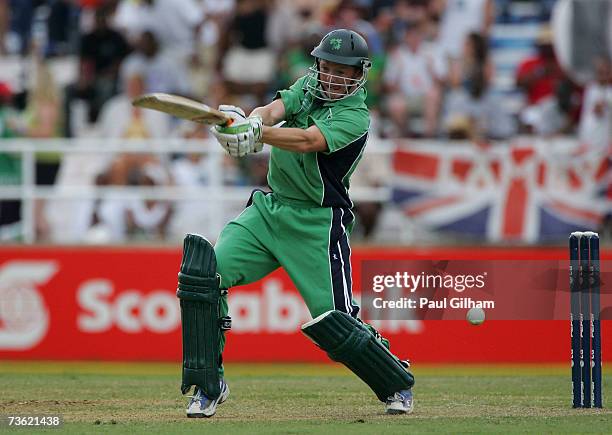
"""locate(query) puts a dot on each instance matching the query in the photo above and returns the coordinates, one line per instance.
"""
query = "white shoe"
(400, 403)
(201, 406)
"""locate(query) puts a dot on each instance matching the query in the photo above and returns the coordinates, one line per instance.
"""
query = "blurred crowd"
(432, 77)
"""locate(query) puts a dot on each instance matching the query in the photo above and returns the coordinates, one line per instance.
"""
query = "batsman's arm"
(295, 139)
(271, 114)
(290, 139)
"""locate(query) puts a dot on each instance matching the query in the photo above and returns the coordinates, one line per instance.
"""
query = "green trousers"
(310, 243)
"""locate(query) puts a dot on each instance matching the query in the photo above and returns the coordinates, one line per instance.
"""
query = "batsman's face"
(338, 80)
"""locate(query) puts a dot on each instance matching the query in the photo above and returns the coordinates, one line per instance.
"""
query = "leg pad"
(199, 294)
(347, 340)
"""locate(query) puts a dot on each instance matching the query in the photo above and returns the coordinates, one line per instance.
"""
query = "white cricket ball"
(475, 316)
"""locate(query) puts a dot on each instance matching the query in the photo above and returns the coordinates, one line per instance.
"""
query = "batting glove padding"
(242, 137)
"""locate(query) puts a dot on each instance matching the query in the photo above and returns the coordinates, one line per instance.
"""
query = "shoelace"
(397, 397)
(199, 394)
(401, 397)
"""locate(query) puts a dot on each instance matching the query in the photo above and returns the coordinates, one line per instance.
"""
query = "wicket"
(585, 320)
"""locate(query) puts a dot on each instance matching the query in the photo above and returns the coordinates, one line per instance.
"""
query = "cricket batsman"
(303, 226)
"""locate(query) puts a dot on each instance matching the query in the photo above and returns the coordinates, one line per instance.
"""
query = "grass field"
(295, 399)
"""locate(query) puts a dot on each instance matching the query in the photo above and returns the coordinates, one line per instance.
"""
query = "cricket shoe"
(400, 403)
(201, 406)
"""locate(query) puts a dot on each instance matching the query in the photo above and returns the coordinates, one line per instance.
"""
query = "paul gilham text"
(403, 303)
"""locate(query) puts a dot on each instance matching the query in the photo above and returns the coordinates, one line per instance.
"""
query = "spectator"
(101, 53)
(43, 121)
(148, 219)
(10, 169)
(177, 26)
(404, 13)
(129, 19)
(289, 22)
(475, 67)
(8, 122)
(415, 11)
(472, 111)
(159, 72)
(216, 17)
(119, 119)
(409, 86)
(349, 15)
(458, 19)
(432, 29)
(596, 118)
(245, 43)
(539, 75)
(539, 78)
(175, 23)
(4, 25)
(383, 23)
(119, 220)
(20, 17)
(297, 59)
(62, 28)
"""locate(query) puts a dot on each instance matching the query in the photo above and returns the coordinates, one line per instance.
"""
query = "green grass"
(296, 399)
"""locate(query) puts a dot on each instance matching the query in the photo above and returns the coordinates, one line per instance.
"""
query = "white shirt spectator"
(172, 21)
(596, 119)
(410, 70)
(128, 19)
(146, 218)
(112, 227)
(217, 7)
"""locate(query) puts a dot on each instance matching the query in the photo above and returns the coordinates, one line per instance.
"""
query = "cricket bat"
(183, 108)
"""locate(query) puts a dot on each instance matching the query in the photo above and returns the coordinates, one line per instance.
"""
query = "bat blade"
(183, 108)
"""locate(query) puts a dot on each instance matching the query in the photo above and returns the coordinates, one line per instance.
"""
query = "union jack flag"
(534, 191)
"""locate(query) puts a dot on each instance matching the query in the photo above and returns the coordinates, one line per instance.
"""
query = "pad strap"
(225, 323)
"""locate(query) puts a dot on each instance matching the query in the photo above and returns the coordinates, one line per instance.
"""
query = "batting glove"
(242, 137)
(234, 112)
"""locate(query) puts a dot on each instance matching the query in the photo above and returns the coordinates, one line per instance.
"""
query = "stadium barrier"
(83, 159)
(119, 303)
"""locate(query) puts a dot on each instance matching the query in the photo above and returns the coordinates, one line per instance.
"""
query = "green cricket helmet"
(344, 47)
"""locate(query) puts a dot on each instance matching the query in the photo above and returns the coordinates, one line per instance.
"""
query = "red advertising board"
(119, 304)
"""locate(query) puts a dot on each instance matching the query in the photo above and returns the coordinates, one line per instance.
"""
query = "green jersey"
(320, 178)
